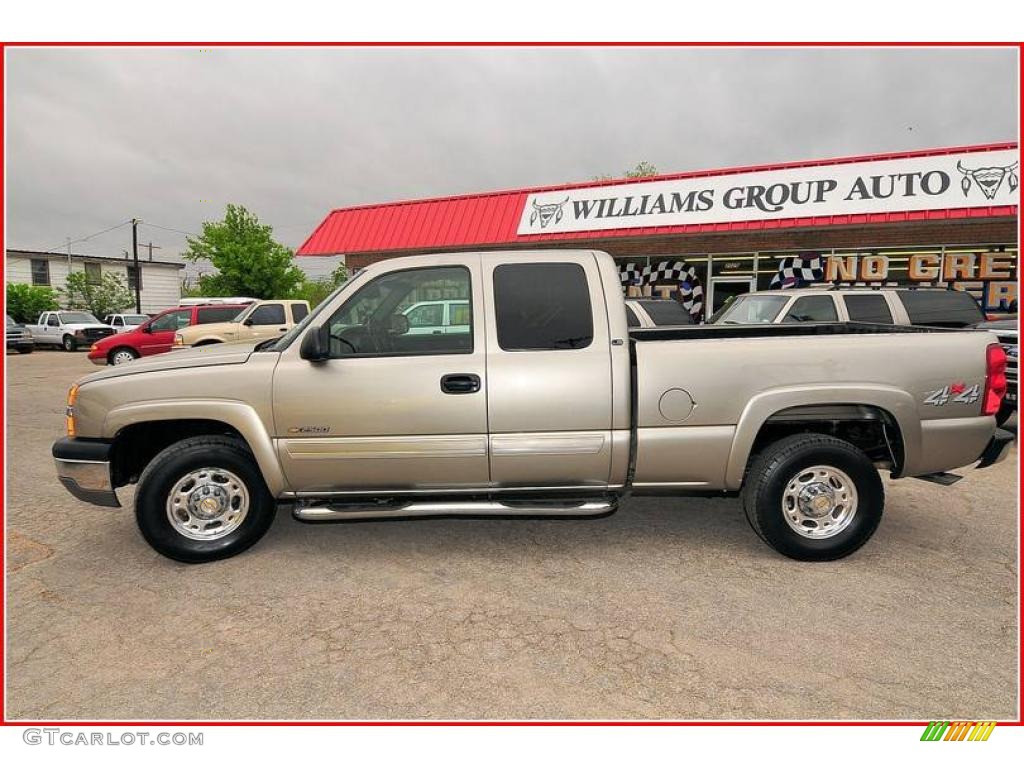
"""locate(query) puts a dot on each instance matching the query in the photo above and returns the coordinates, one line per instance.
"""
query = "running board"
(941, 478)
(340, 512)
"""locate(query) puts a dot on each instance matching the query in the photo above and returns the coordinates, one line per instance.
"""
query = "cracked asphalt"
(670, 609)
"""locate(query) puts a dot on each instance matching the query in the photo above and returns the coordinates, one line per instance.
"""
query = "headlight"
(69, 418)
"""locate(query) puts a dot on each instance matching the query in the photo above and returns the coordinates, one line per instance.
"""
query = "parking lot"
(668, 609)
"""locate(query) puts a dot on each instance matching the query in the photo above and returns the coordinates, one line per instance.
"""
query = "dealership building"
(943, 217)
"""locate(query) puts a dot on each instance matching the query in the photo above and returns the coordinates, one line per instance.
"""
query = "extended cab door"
(391, 410)
(549, 370)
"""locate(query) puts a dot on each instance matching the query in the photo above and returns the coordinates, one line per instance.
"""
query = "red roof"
(492, 218)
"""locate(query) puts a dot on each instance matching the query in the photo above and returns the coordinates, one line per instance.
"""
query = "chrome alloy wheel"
(121, 357)
(819, 502)
(207, 504)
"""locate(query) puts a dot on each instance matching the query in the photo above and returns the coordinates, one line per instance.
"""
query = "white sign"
(963, 180)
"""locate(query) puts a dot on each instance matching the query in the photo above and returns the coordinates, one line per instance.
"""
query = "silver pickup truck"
(542, 404)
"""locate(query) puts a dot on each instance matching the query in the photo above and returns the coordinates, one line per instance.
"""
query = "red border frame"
(542, 723)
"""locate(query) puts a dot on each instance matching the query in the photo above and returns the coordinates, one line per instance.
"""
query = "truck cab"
(259, 320)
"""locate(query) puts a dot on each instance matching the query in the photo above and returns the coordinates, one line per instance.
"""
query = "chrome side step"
(328, 512)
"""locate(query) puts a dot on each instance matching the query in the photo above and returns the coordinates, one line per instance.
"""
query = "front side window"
(40, 272)
(115, 320)
(299, 312)
(268, 314)
(53, 321)
(172, 321)
(402, 313)
(812, 309)
(542, 306)
(867, 308)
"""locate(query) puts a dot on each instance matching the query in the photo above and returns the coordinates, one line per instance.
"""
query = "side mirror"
(248, 321)
(145, 328)
(398, 325)
(316, 344)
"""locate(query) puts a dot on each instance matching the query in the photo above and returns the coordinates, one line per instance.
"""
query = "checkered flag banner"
(798, 271)
(691, 293)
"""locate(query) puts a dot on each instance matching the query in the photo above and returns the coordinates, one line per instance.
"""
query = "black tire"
(174, 463)
(25, 350)
(117, 350)
(69, 343)
(765, 486)
(1006, 410)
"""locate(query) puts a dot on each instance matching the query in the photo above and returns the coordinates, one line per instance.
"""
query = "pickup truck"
(260, 320)
(125, 323)
(68, 329)
(546, 405)
(18, 338)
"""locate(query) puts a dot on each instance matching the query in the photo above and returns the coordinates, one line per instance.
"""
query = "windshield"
(135, 319)
(77, 317)
(751, 309)
(10, 320)
(282, 343)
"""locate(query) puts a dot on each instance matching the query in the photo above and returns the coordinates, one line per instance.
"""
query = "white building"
(161, 280)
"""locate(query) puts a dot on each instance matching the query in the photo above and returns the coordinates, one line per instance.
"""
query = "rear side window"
(667, 312)
(299, 312)
(867, 308)
(542, 306)
(812, 309)
(216, 314)
(268, 314)
(944, 309)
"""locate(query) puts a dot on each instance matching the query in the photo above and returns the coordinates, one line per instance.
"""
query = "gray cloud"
(96, 136)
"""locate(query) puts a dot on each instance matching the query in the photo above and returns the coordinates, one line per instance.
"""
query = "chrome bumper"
(83, 467)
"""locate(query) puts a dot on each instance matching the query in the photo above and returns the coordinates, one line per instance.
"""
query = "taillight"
(995, 380)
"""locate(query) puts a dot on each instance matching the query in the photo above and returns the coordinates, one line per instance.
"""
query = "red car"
(157, 335)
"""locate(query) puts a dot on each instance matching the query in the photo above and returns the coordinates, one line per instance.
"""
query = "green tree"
(315, 291)
(26, 302)
(642, 170)
(249, 261)
(109, 295)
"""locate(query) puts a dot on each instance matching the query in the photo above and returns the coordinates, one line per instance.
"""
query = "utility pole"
(135, 260)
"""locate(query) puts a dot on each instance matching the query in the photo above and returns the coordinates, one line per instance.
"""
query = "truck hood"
(215, 354)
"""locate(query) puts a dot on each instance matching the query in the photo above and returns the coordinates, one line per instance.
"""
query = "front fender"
(236, 414)
(897, 402)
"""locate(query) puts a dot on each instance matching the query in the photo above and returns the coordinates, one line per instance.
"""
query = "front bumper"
(20, 343)
(996, 449)
(83, 467)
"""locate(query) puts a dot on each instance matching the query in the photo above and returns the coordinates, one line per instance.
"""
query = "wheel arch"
(140, 431)
(873, 417)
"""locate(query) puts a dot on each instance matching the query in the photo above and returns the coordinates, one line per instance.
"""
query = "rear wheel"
(203, 499)
(813, 497)
(121, 355)
(69, 343)
(25, 350)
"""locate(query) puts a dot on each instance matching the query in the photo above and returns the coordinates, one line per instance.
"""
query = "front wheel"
(122, 355)
(25, 350)
(813, 497)
(203, 499)
(69, 344)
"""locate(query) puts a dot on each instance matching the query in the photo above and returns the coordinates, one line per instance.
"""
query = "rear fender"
(898, 403)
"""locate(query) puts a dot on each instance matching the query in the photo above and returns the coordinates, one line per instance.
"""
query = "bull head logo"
(989, 180)
(547, 212)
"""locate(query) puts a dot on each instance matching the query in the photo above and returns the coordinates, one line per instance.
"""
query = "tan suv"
(260, 320)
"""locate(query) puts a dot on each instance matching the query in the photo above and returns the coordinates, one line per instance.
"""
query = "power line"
(168, 229)
(66, 243)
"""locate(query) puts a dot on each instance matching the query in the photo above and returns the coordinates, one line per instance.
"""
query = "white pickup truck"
(540, 401)
(69, 329)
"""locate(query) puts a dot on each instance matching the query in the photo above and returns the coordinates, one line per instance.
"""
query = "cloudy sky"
(95, 137)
